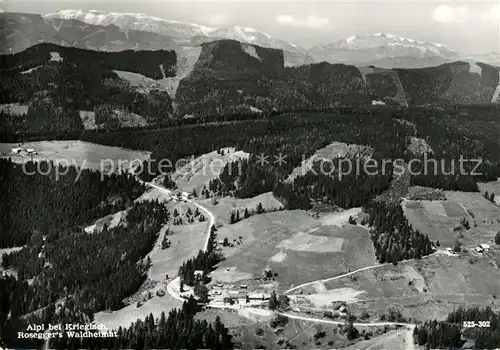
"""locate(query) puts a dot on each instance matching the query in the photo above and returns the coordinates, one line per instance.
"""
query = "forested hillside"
(450, 133)
(393, 238)
(231, 77)
(453, 332)
(47, 205)
(68, 275)
(59, 82)
(228, 80)
(450, 83)
(63, 274)
(143, 62)
(177, 330)
(79, 264)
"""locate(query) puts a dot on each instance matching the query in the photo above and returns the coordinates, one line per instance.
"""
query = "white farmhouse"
(485, 247)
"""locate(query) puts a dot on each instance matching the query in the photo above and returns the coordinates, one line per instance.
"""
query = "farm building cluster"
(481, 248)
(21, 150)
(236, 294)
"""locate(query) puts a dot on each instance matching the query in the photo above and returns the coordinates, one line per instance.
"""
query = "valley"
(333, 259)
(192, 186)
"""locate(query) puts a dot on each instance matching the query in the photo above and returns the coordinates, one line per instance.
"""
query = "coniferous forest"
(74, 271)
(177, 330)
(393, 238)
(64, 272)
(299, 135)
(204, 261)
(48, 204)
(453, 332)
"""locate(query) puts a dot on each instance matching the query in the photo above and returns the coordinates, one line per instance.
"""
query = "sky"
(469, 27)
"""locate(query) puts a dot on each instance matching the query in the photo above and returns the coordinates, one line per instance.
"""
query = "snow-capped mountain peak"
(363, 49)
(136, 21)
(379, 39)
(188, 33)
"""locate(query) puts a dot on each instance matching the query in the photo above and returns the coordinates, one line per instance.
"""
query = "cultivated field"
(440, 220)
(186, 240)
(82, 154)
(296, 246)
(124, 118)
(424, 289)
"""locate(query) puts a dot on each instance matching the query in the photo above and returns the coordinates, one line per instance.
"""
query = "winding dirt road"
(356, 324)
(211, 217)
(358, 270)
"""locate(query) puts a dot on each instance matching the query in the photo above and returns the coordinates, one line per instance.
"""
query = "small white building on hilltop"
(482, 248)
(378, 103)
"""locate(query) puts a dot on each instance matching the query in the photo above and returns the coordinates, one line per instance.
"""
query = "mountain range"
(86, 76)
(105, 31)
(219, 79)
(382, 49)
(183, 33)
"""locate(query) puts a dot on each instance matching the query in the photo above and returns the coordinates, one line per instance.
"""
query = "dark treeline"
(83, 265)
(205, 261)
(10, 322)
(195, 121)
(452, 182)
(298, 136)
(70, 277)
(470, 132)
(143, 62)
(448, 84)
(177, 330)
(335, 183)
(49, 205)
(227, 79)
(82, 81)
(44, 117)
(393, 238)
(451, 333)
